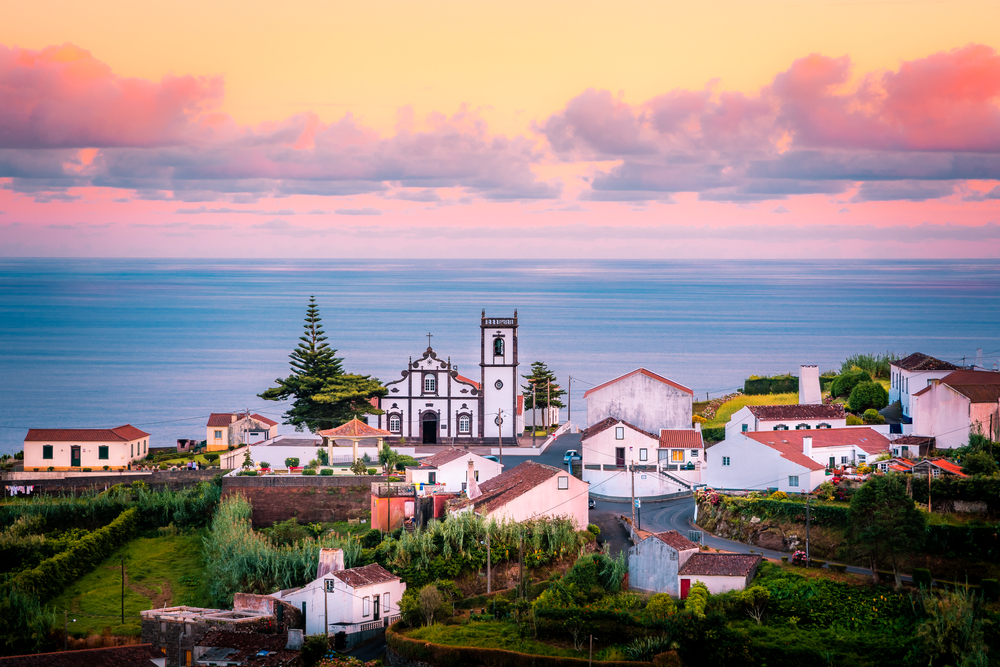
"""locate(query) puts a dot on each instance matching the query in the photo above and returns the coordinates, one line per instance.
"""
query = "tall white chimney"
(807, 446)
(472, 489)
(809, 393)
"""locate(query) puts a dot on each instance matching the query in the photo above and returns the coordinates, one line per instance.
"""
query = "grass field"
(160, 571)
(488, 635)
(727, 409)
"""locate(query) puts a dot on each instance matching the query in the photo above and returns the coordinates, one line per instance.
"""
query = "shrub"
(991, 589)
(716, 434)
(163, 466)
(979, 463)
(51, 468)
(875, 364)
(429, 600)
(211, 458)
(866, 395)
(371, 539)
(844, 383)
(107, 467)
(594, 528)
(309, 471)
(872, 416)
(87, 469)
(314, 647)
(265, 465)
(922, 578)
(292, 462)
(779, 495)
(660, 606)
(779, 384)
(697, 599)
(326, 472)
(372, 471)
(854, 420)
(698, 419)
(644, 648)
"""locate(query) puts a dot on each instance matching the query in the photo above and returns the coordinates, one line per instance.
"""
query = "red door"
(685, 587)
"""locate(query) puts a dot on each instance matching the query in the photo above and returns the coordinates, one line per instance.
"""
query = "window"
(145, 446)
(725, 460)
(793, 480)
(862, 457)
(385, 602)
(642, 454)
(395, 423)
(218, 435)
(746, 427)
(619, 433)
(102, 452)
(694, 453)
(833, 461)
(843, 460)
(904, 448)
(366, 606)
(430, 384)
(46, 451)
(563, 482)
(330, 585)
(802, 427)
(464, 424)
(676, 454)
(498, 347)
(432, 478)
(781, 427)
(132, 450)
(823, 425)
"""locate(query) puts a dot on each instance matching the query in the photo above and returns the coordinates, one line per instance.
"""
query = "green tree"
(26, 624)
(868, 395)
(979, 463)
(323, 395)
(359, 467)
(846, 381)
(387, 458)
(547, 392)
(952, 632)
(885, 521)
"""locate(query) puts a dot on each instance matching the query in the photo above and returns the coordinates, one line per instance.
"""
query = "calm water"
(161, 343)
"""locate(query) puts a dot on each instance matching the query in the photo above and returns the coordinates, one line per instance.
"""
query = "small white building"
(653, 563)
(719, 572)
(75, 448)
(909, 375)
(642, 398)
(613, 448)
(790, 461)
(448, 471)
(529, 491)
(355, 601)
(953, 407)
(786, 418)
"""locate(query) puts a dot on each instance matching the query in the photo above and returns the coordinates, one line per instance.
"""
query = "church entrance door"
(429, 425)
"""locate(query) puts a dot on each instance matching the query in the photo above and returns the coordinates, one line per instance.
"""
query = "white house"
(719, 572)
(95, 448)
(528, 491)
(960, 403)
(353, 601)
(786, 418)
(653, 563)
(790, 461)
(448, 470)
(642, 398)
(612, 449)
(909, 375)
(237, 428)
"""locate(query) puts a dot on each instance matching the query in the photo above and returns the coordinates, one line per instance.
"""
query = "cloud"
(781, 209)
(902, 190)
(367, 210)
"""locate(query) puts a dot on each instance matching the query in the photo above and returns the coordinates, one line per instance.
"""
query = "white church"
(432, 404)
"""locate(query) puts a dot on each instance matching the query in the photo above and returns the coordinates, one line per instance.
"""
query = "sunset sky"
(487, 129)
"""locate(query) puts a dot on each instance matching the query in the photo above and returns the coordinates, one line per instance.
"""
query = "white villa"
(77, 448)
(448, 471)
(786, 418)
(960, 403)
(911, 374)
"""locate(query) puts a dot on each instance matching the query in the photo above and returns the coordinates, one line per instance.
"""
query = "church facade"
(431, 403)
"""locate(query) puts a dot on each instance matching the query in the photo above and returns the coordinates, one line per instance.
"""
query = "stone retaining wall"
(309, 499)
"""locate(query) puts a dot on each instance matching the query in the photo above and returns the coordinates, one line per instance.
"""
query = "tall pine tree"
(324, 396)
(547, 392)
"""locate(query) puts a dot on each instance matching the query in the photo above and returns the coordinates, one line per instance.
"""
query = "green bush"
(779, 384)
(922, 578)
(292, 462)
(371, 539)
(594, 528)
(844, 383)
(990, 589)
(979, 463)
(714, 434)
(871, 417)
(326, 472)
(163, 466)
(309, 471)
(854, 420)
(372, 471)
(877, 365)
(868, 395)
(697, 599)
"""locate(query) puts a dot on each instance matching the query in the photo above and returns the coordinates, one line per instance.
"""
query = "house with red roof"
(79, 448)
(653, 563)
(912, 373)
(951, 408)
(790, 461)
(648, 401)
(237, 428)
(448, 471)
(786, 418)
(937, 467)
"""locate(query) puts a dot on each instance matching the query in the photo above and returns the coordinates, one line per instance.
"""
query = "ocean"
(162, 343)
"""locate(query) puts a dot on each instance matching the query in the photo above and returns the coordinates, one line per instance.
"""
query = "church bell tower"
(498, 349)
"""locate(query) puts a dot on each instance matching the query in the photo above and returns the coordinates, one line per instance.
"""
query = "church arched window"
(464, 424)
(498, 347)
(394, 423)
(430, 384)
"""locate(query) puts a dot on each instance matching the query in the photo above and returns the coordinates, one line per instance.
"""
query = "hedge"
(826, 515)
(714, 434)
(53, 575)
(980, 542)
(441, 655)
(782, 384)
(956, 488)
(922, 578)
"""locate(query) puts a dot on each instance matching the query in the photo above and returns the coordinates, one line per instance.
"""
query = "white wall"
(547, 499)
(744, 416)
(943, 413)
(717, 584)
(903, 384)
(642, 401)
(452, 475)
(344, 604)
(120, 454)
(753, 465)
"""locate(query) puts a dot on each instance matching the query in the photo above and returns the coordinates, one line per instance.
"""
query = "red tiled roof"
(511, 484)
(641, 371)
(119, 434)
(922, 391)
(719, 565)
(899, 467)
(792, 412)
(226, 418)
(366, 575)
(443, 457)
(978, 393)
(249, 645)
(462, 378)
(789, 451)
(923, 362)
(354, 429)
(607, 423)
(676, 540)
(681, 438)
(948, 466)
(914, 440)
(869, 440)
(117, 656)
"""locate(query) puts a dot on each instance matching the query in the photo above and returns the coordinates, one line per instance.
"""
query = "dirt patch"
(157, 600)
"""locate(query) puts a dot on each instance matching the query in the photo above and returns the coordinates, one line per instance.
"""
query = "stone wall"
(51, 484)
(307, 498)
(291, 617)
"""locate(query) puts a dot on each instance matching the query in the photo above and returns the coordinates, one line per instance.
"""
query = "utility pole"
(569, 418)
(520, 565)
(807, 529)
(590, 656)
(534, 414)
(326, 609)
(65, 630)
(548, 400)
(928, 487)
(123, 589)
(500, 434)
(632, 468)
(489, 565)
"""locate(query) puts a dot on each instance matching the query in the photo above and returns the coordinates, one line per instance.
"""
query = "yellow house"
(236, 428)
(76, 448)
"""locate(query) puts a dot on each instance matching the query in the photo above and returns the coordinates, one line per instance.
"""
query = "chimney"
(697, 427)
(232, 418)
(979, 357)
(809, 392)
(294, 640)
(472, 488)
(807, 445)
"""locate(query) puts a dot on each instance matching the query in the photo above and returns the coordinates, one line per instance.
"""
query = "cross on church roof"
(428, 339)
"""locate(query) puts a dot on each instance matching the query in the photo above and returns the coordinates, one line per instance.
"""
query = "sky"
(627, 129)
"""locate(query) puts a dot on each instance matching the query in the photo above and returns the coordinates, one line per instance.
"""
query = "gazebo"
(355, 431)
